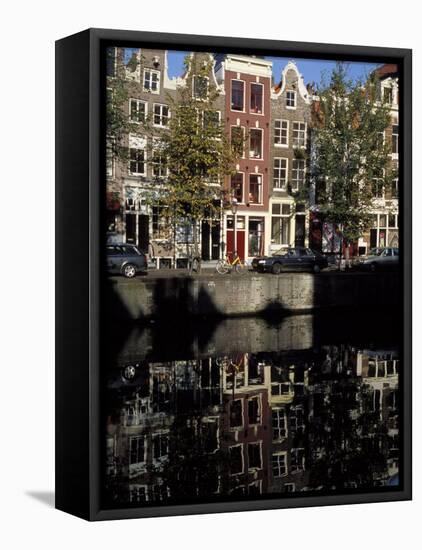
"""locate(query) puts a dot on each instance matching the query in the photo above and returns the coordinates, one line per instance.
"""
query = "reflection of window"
(200, 87)
(256, 98)
(291, 99)
(138, 493)
(299, 134)
(255, 188)
(137, 449)
(298, 174)
(161, 114)
(280, 224)
(255, 150)
(254, 410)
(151, 81)
(160, 443)
(236, 417)
(236, 184)
(279, 464)
(282, 388)
(279, 424)
(236, 459)
(137, 110)
(280, 173)
(297, 460)
(281, 132)
(254, 456)
(237, 97)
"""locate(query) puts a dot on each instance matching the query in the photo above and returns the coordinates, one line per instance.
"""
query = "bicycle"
(227, 266)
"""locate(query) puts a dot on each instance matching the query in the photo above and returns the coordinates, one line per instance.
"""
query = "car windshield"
(376, 251)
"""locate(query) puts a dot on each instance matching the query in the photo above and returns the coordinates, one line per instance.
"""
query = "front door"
(299, 230)
(143, 232)
(215, 240)
(205, 240)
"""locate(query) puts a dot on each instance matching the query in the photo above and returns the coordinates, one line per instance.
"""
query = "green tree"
(349, 157)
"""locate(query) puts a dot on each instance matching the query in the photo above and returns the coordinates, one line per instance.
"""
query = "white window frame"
(259, 444)
(244, 94)
(277, 454)
(299, 122)
(296, 186)
(395, 155)
(152, 71)
(110, 161)
(282, 216)
(261, 156)
(287, 99)
(279, 130)
(280, 186)
(137, 437)
(258, 399)
(155, 164)
(250, 98)
(161, 105)
(261, 188)
(138, 102)
(144, 162)
(286, 426)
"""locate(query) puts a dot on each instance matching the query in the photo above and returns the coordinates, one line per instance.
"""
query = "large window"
(279, 424)
(280, 173)
(299, 134)
(137, 161)
(254, 410)
(255, 147)
(236, 184)
(151, 81)
(161, 114)
(238, 95)
(255, 188)
(256, 98)
(395, 139)
(200, 87)
(279, 464)
(160, 446)
(298, 174)
(291, 99)
(281, 132)
(137, 449)
(137, 110)
(159, 167)
(280, 224)
(254, 456)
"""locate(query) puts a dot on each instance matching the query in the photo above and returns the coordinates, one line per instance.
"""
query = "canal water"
(246, 409)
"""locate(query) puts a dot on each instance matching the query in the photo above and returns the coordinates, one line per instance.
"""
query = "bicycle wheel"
(239, 268)
(222, 267)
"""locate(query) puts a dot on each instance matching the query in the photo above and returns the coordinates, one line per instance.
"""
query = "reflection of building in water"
(253, 424)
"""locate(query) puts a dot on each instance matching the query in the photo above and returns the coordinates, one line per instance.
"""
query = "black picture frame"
(79, 195)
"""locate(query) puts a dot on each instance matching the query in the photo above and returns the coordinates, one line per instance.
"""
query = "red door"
(240, 243)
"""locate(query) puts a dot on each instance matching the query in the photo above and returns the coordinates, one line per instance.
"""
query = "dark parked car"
(298, 258)
(381, 259)
(125, 259)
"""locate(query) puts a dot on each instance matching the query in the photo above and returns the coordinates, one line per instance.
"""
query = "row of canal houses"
(252, 424)
(271, 211)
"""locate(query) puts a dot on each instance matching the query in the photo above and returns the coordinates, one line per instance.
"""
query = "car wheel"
(129, 271)
(276, 269)
(316, 268)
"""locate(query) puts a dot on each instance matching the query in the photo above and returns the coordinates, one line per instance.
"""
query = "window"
(255, 147)
(200, 87)
(291, 99)
(236, 415)
(137, 449)
(378, 186)
(279, 464)
(299, 134)
(289, 487)
(236, 459)
(388, 95)
(237, 139)
(137, 110)
(160, 446)
(254, 456)
(281, 132)
(395, 139)
(161, 114)
(137, 161)
(212, 119)
(160, 222)
(109, 160)
(298, 174)
(256, 98)
(395, 188)
(236, 184)
(279, 424)
(297, 460)
(238, 95)
(255, 189)
(280, 173)
(151, 81)
(138, 493)
(280, 224)
(254, 410)
(159, 168)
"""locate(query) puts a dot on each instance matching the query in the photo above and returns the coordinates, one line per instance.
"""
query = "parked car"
(381, 259)
(297, 258)
(125, 259)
